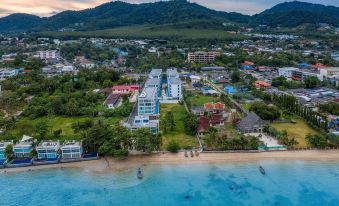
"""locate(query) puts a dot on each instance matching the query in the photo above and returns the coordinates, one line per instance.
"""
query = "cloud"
(50, 7)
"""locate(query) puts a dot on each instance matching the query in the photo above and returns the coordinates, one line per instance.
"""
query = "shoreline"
(113, 165)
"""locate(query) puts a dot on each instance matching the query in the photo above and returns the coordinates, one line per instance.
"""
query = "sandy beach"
(104, 165)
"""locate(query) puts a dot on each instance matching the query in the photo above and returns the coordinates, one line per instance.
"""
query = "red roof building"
(262, 85)
(125, 89)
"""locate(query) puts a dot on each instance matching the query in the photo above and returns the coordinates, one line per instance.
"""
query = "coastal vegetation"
(178, 134)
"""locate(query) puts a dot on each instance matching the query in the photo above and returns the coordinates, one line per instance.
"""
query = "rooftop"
(149, 93)
(71, 144)
(174, 81)
(112, 99)
(156, 72)
(49, 145)
(152, 82)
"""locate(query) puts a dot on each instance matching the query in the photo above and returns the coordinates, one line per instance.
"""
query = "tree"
(235, 76)
(42, 128)
(318, 141)
(311, 82)
(9, 151)
(191, 124)
(145, 141)
(173, 146)
(264, 111)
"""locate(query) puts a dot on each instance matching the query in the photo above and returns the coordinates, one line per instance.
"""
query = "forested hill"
(118, 14)
(291, 14)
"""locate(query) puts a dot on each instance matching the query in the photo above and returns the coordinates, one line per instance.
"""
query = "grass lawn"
(299, 130)
(178, 134)
(200, 100)
(27, 126)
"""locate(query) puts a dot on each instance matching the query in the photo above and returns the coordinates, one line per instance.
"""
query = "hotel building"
(71, 150)
(48, 150)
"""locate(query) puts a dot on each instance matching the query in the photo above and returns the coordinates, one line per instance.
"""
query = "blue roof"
(230, 89)
(247, 67)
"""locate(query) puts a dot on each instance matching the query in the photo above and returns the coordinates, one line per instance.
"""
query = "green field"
(200, 100)
(165, 32)
(299, 130)
(28, 127)
(184, 140)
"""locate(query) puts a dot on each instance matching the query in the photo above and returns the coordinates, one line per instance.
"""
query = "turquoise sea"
(286, 183)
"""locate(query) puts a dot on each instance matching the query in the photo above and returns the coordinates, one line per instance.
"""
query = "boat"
(262, 170)
(192, 155)
(186, 155)
(139, 174)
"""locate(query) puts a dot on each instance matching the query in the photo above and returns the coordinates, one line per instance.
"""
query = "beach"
(111, 165)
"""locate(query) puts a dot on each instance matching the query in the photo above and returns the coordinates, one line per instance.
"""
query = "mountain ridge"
(119, 14)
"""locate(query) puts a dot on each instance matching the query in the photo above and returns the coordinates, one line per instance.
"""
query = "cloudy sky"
(49, 7)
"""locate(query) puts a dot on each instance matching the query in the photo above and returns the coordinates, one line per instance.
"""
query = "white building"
(24, 147)
(48, 150)
(49, 55)
(71, 150)
(286, 72)
(174, 88)
(7, 73)
(155, 73)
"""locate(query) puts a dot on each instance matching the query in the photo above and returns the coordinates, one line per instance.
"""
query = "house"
(113, 101)
(125, 89)
(209, 107)
(198, 110)
(262, 85)
(248, 65)
(206, 122)
(203, 126)
(48, 150)
(217, 119)
(214, 107)
(24, 147)
(230, 90)
(195, 78)
(71, 150)
(251, 123)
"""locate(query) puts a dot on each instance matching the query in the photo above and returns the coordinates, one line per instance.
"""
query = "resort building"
(202, 57)
(3, 146)
(174, 88)
(146, 112)
(71, 150)
(48, 150)
(155, 73)
(24, 147)
(148, 102)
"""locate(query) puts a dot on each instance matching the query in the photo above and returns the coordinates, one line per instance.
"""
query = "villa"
(24, 147)
(71, 150)
(252, 123)
(48, 150)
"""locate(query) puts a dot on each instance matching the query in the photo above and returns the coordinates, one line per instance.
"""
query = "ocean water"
(286, 183)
